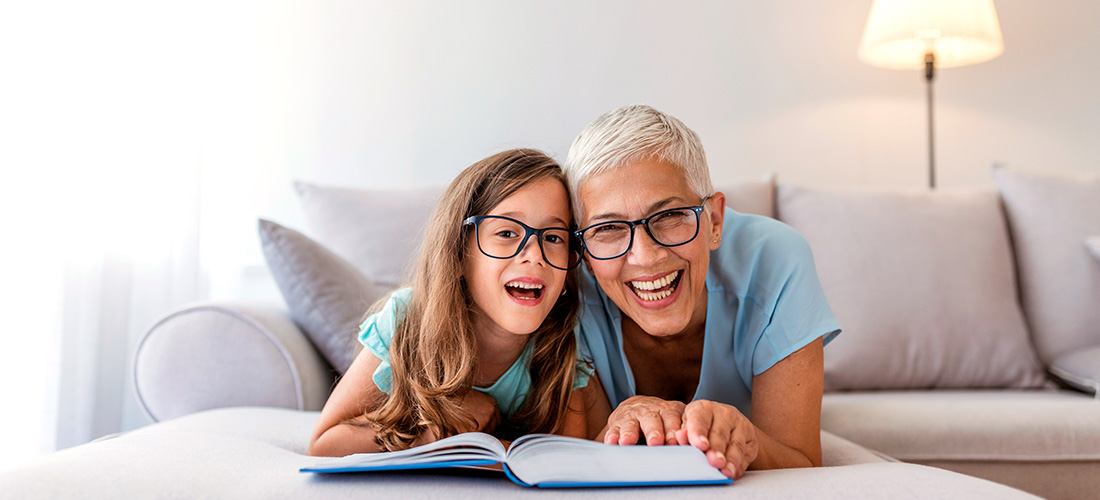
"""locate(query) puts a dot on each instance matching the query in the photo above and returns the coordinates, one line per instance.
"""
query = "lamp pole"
(929, 74)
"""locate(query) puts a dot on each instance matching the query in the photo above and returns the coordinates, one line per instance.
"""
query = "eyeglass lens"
(500, 238)
(669, 228)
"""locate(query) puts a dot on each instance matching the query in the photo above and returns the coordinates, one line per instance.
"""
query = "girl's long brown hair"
(434, 353)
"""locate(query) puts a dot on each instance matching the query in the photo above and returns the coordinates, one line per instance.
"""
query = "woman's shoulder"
(760, 243)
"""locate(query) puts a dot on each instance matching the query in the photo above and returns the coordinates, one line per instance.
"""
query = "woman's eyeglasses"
(670, 228)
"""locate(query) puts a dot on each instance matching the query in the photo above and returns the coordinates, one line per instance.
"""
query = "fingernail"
(721, 456)
(670, 436)
(653, 436)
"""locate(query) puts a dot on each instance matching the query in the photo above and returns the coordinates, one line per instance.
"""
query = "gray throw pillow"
(376, 230)
(1050, 213)
(327, 297)
(1079, 369)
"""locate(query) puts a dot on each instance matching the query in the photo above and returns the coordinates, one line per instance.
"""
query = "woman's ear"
(717, 209)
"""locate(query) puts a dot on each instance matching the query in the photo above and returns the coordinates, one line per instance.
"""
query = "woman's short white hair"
(632, 133)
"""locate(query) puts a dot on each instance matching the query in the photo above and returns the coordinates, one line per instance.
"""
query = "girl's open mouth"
(523, 291)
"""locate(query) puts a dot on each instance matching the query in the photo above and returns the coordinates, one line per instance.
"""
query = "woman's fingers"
(698, 420)
(628, 432)
(727, 437)
(645, 416)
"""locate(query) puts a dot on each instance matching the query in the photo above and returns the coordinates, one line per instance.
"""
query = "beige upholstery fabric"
(1079, 369)
(1051, 215)
(751, 196)
(1050, 480)
(213, 355)
(923, 285)
(377, 231)
(980, 430)
(256, 453)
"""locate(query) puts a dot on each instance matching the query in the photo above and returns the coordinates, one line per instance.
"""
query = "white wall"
(402, 93)
(111, 110)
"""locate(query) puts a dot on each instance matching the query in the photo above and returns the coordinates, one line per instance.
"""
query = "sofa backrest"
(922, 284)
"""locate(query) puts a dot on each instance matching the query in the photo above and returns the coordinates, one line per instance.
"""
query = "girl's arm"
(336, 433)
(588, 411)
(345, 426)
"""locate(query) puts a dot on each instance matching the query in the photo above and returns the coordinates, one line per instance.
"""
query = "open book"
(544, 460)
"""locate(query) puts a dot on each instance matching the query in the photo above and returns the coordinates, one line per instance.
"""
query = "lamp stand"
(929, 74)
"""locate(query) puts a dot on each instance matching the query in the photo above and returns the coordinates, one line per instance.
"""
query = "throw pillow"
(923, 285)
(377, 231)
(1050, 214)
(1093, 244)
(1079, 369)
(327, 297)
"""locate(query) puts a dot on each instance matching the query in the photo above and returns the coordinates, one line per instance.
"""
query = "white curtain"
(120, 136)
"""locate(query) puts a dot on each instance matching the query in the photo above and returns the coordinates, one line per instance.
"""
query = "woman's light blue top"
(510, 390)
(764, 302)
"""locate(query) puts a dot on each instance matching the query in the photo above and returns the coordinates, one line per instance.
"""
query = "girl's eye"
(504, 233)
(553, 238)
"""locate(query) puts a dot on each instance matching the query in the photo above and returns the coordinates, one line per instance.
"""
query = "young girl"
(483, 340)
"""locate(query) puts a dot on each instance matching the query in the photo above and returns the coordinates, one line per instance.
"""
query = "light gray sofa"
(938, 379)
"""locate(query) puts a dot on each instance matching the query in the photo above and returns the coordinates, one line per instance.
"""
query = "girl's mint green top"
(509, 390)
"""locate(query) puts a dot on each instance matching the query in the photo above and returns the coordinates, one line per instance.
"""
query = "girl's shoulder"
(377, 330)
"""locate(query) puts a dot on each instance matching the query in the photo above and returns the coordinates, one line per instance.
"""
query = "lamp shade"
(958, 32)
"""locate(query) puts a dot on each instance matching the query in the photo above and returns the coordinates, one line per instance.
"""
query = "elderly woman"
(705, 325)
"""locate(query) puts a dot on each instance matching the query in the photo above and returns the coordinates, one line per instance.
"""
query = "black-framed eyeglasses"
(670, 228)
(502, 237)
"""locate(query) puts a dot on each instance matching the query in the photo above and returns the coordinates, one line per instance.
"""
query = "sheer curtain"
(123, 126)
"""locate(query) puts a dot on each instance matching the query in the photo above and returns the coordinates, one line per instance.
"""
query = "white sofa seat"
(1035, 440)
(256, 453)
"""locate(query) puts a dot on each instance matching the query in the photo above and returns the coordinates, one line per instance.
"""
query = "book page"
(556, 460)
(468, 447)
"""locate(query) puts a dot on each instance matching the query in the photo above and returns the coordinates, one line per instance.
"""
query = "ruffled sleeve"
(376, 333)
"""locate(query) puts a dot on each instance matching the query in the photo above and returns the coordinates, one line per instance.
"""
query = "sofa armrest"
(218, 354)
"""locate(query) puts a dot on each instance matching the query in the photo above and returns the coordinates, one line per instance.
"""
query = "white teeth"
(655, 284)
(654, 296)
(519, 284)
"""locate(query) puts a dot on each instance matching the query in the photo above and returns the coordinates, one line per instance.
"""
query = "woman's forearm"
(776, 455)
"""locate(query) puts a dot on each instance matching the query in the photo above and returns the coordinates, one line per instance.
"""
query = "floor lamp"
(930, 34)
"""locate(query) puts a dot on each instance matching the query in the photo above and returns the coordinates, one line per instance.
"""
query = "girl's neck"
(497, 348)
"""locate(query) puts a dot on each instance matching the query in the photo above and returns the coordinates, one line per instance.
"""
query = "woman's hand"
(656, 419)
(723, 433)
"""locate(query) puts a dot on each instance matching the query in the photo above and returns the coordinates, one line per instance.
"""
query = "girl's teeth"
(529, 286)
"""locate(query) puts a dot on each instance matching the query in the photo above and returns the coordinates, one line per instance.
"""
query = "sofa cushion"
(1051, 215)
(922, 283)
(377, 231)
(327, 297)
(1030, 434)
(1080, 369)
(751, 196)
(256, 453)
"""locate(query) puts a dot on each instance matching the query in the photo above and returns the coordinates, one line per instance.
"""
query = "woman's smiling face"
(662, 289)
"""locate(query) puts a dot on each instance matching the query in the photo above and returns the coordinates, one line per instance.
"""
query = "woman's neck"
(497, 348)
